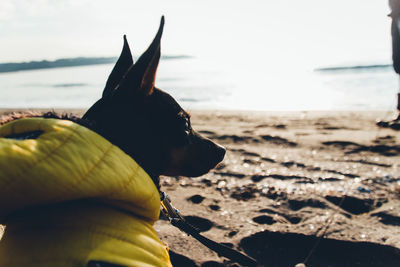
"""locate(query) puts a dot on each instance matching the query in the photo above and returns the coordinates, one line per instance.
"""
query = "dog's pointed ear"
(142, 75)
(123, 64)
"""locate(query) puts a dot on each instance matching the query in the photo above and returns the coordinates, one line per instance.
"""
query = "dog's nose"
(220, 152)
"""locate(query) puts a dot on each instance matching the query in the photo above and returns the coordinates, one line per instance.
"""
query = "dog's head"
(147, 123)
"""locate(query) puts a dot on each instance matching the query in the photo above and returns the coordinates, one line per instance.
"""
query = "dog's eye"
(187, 128)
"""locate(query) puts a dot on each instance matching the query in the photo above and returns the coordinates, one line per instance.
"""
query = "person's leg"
(398, 103)
(395, 32)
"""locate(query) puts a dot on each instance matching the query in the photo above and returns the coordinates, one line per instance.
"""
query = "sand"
(287, 179)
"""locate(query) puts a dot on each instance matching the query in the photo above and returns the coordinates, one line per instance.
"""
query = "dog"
(166, 143)
(145, 122)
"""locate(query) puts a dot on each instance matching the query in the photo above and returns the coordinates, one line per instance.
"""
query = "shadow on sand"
(288, 249)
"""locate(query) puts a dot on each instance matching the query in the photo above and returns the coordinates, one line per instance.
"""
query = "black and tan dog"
(147, 123)
(144, 122)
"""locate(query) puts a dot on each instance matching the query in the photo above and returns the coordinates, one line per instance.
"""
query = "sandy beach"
(289, 178)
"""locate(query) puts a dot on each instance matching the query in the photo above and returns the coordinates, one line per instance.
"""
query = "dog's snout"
(220, 152)
(210, 148)
(195, 159)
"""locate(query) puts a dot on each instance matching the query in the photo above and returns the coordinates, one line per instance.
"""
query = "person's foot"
(397, 119)
(393, 124)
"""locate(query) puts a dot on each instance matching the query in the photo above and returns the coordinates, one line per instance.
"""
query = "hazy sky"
(262, 33)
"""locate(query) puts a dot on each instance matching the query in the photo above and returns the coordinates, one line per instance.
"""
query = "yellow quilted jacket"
(69, 196)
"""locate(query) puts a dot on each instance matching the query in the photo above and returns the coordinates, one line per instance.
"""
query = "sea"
(200, 85)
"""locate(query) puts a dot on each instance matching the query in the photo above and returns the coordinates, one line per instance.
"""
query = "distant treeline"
(65, 62)
(354, 68)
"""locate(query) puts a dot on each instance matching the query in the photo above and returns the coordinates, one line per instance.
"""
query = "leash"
(178, 221)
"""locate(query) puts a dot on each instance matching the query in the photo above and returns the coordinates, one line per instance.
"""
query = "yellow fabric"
(70, 196)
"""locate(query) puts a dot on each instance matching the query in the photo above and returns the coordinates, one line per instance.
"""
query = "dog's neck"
(154, 175)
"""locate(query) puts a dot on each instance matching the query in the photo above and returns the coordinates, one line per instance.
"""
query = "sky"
(259, 34)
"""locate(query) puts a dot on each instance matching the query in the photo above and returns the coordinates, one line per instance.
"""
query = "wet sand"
(287, 179)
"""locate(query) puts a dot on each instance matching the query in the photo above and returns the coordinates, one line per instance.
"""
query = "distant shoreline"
(66, 62)
(353, 68)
